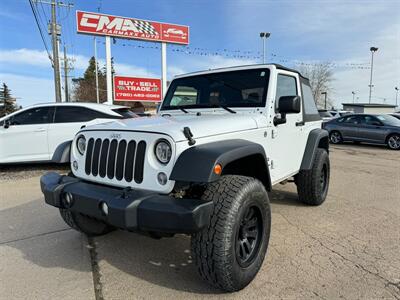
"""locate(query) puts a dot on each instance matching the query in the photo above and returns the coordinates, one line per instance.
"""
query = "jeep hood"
(200, 126)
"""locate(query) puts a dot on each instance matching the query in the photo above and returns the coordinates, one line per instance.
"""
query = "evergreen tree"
(85, 87)
(7, 102)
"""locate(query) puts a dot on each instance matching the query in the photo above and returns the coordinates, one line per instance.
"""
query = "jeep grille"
(115, 159)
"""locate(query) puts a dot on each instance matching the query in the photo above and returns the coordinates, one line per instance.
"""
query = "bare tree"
(321, 77)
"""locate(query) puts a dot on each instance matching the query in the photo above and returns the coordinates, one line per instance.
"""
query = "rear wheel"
(335, 137)
(312, 185)
(85, 224)
(393, 142)
(230, 250)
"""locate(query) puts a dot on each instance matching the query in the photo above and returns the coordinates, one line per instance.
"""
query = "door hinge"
(270, 163)
(274, 133)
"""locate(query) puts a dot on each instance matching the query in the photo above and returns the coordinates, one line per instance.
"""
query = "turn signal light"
(218, 169)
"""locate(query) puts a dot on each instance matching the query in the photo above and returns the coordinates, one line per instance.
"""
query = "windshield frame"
(175, 82)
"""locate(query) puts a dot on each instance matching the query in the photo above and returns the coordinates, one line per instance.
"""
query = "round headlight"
(163, 151)
(81, 144)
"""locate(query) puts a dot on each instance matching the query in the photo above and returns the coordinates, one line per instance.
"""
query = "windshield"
(389, 120)
(125, 113)
(246, 88)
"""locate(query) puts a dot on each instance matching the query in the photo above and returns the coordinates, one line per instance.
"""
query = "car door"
(372, 129)
(349, 127)
(26, 137)
(68, 120)
(287, 140)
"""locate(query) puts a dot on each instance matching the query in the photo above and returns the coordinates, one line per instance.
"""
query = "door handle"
(301, 123)
(40, 130)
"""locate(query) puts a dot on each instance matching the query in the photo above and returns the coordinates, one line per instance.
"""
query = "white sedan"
(42, 133)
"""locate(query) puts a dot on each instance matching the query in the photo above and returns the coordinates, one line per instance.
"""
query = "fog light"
(162, 178)
(75, 165)
(67, 199)
(104, 208)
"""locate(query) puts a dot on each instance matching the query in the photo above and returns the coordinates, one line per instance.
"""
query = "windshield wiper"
(225, 107)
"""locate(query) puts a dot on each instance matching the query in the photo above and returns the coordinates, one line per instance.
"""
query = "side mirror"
(376, 123)
(7, 123)
(287, 105)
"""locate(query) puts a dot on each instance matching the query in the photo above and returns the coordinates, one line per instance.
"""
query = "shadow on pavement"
(166, 262)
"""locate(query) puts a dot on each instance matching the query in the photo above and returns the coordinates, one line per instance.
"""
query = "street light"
(264, 36)
(354, 93)
(326, 94)
(373, 50)
(397, 92)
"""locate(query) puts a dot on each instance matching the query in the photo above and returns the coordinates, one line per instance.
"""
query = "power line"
(40, 31)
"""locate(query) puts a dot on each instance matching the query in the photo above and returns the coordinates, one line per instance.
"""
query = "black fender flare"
(317, 138)
(62, 153)
(196, 164)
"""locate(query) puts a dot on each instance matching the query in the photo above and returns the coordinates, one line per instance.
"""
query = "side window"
(352, 120)
(370, 120)
(38, 115)
(308, 99)
(285, 86)
(184, 95)
(74, 114)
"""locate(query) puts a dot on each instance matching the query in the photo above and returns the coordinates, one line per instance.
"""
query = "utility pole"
(56, 60)
(354, 93)
(55, 32)
(67, 67)
(397, 92)
(373, 50)
(96, 70)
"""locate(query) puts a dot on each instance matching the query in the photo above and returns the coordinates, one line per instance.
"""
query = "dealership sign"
(101, 24)
(137, 89)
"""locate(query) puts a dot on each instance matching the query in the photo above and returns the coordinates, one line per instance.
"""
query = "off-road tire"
(84, 224)
(313, 185)
(335, 137)
(216, 249)
(393, 141)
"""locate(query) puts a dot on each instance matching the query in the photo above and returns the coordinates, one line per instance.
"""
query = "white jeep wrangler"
(202, 166)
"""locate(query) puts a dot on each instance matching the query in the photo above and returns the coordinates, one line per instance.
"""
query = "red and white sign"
(100, 24)
(137, 89)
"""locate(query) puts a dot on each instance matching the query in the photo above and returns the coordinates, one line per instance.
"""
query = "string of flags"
(243, 54)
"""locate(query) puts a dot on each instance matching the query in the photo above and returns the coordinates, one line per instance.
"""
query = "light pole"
(354, 93)
(373, 50)
(264, 36)
(326, 94)
(397, 92)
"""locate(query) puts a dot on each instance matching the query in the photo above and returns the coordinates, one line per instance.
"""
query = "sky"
(222, 33)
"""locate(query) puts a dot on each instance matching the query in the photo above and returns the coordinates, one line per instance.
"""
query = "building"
(369, 108)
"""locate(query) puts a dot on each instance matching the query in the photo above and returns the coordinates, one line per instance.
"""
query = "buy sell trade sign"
(137, 89)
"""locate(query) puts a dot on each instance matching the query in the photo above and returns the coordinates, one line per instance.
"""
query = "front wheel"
(393, 142)
(230, 250)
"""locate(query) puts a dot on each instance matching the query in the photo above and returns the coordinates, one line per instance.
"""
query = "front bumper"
(127, 209)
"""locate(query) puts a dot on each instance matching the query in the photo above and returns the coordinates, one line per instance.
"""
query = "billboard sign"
(130, 28)
(137, 89)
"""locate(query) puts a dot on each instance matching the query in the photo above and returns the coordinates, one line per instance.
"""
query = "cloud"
(24, 56)
(37, 58)
(29, 90)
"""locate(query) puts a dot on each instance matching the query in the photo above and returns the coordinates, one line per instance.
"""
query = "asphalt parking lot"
(347, 248)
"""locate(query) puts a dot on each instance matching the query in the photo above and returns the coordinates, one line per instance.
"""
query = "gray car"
(377, 129)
